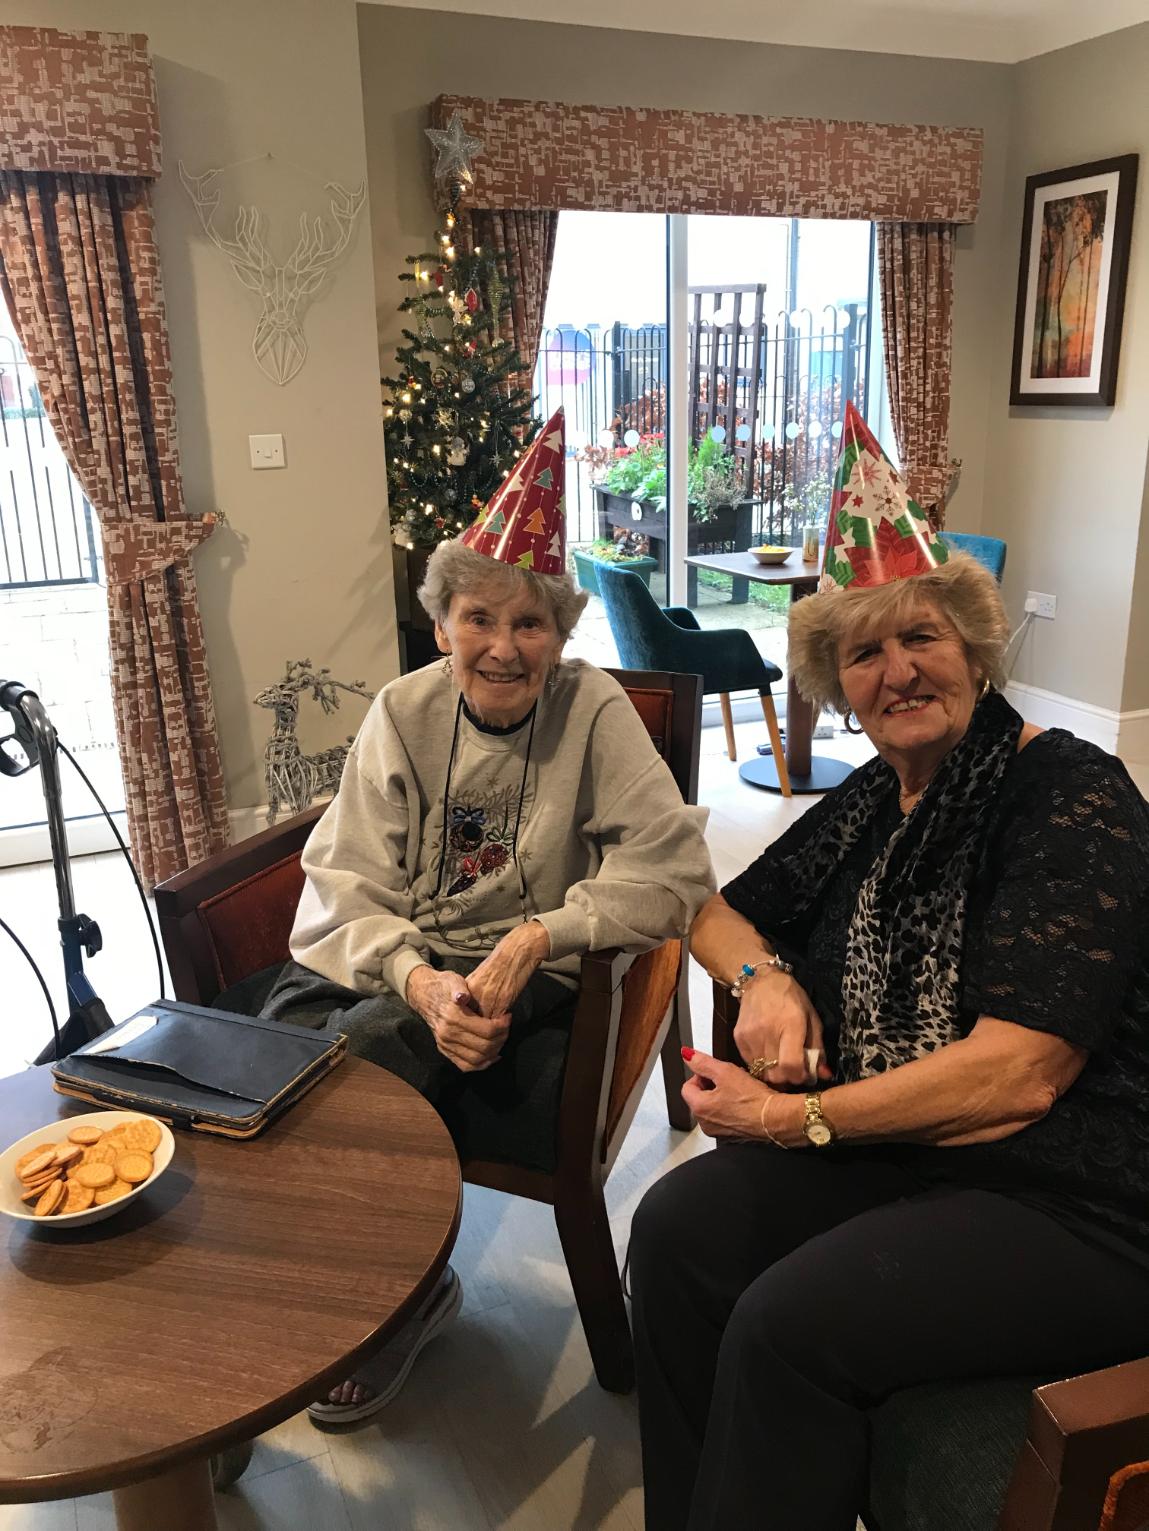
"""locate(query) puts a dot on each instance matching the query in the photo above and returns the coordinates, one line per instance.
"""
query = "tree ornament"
(471, 299)
(439, 377)
(467, 383)
(455, 147)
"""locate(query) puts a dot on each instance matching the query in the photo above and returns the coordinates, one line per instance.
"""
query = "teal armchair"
(650, 637)
(989, 551)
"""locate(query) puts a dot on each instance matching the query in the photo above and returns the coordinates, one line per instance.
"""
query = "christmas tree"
(454, 423)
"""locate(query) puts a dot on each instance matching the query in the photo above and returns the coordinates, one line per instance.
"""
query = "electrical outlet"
(266, 451)
(1041, 605)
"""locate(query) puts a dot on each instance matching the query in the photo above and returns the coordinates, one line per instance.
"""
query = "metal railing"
(47, 526)
(777, 385)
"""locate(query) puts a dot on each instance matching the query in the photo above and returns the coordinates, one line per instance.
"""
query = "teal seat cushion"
(942, 1455)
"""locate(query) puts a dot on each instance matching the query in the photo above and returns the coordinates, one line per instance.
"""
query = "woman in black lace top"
(956, 943)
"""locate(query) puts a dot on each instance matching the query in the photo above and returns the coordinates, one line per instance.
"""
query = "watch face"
(819, 1134)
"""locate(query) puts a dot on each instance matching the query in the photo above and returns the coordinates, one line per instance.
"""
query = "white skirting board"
(1121, 733)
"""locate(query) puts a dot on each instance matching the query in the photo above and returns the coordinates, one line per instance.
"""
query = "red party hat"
(877, 533)
(524, 523)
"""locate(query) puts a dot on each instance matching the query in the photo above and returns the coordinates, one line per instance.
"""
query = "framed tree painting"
(1071, 283)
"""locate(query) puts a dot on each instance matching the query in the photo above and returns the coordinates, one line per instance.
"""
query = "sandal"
(386, 1371)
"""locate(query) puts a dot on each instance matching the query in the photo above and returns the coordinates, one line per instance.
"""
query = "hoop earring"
(851, 724)
(448, 668)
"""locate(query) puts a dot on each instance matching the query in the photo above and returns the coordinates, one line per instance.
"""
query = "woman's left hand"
(725, 1101)
(499, 979)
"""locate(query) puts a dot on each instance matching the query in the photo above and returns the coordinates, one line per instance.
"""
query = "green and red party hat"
(877, 533)
(524, 523)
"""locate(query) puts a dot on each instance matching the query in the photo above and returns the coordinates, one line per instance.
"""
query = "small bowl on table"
(771, 555)
(57, 1133)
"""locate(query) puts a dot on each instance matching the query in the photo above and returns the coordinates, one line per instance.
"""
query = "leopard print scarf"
(904, 943)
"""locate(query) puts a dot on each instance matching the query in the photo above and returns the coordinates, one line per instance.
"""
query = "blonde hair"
(454, 569)
(961, 590)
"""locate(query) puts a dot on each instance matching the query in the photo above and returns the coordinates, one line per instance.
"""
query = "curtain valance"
(78, 103)
(546, 154)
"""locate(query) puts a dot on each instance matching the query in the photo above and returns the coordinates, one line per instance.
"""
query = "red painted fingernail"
(688, 1053)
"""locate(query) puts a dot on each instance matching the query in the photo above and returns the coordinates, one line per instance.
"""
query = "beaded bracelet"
(749, 969)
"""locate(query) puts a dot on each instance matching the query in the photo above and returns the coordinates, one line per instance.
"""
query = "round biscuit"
(50, 1200)
(53, 1172)
(35, 1191)
(77, 1198)
(68, 1153)
(37, 1165)
(86, 1136)
(33, 1153)
(95, 1175)
(134, 1167)
(142, 1135)
(112, 1192)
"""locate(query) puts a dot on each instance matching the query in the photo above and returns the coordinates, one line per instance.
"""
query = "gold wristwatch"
(817, 1129)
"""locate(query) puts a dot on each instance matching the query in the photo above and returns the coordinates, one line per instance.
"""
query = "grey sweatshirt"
(609, 853)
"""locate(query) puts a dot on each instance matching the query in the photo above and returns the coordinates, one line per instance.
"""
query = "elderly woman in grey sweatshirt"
(499, 815)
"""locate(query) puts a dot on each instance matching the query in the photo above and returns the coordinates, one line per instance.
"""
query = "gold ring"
(761, 1065)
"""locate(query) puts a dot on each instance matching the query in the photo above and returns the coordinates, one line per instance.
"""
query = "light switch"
(266, 451)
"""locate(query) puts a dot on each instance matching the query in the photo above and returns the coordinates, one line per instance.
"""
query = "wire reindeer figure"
(279, 344)
(293, 778)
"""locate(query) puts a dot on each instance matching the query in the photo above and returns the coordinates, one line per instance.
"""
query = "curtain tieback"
(133, 550)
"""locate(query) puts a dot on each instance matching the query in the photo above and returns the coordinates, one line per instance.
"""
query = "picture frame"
(1075, 238)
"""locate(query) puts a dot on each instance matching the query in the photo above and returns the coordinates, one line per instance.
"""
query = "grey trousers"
(508, 1112)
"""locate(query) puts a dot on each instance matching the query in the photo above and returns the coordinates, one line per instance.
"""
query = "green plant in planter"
(713, 478)
(627, 474)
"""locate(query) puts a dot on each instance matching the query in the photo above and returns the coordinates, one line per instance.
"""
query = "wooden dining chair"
(226, 923)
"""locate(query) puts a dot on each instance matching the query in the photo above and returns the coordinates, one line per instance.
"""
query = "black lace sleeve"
(1067, 907)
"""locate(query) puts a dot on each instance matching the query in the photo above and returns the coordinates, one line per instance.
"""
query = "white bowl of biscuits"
(82, 1169)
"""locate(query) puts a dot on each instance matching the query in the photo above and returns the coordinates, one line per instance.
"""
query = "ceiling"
(999, 31)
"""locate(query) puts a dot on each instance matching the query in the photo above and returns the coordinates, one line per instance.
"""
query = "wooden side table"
(246, 1282)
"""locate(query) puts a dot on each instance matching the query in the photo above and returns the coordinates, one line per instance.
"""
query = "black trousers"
(778, 1295)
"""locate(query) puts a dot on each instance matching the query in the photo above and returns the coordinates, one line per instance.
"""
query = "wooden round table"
(249, 1279)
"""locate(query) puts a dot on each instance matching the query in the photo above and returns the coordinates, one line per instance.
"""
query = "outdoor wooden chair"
(230, 918)
(1000, 1453)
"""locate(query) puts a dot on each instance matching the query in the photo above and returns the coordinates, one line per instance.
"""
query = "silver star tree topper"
(456, 147)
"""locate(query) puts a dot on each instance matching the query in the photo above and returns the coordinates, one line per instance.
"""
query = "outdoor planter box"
(730, 529)
(587, 566)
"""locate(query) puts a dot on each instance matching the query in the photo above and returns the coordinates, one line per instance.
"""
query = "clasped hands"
(776, 1024)
(471, 1016)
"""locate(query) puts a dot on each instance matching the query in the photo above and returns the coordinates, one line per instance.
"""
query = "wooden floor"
(501, 1425)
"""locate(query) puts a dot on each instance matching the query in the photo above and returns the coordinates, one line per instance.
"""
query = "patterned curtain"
(524, 243)
(80, 272)
(915, 265)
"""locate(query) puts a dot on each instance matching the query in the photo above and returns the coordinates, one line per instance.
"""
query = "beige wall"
(1068, 485)
(303, 569)
(409, 57)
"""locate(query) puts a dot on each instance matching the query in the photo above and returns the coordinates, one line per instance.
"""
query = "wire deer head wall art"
(285, 291)
(293, 778)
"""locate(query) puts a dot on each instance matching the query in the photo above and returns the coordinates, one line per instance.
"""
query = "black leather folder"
(204, 1069)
